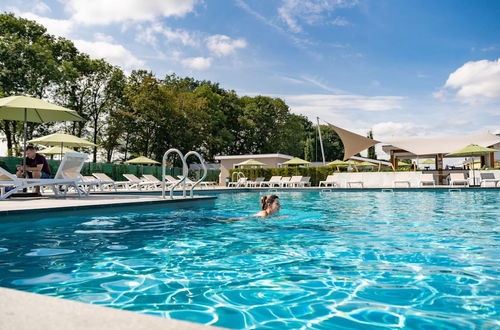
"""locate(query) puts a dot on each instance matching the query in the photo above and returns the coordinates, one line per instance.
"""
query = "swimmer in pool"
(269, 205)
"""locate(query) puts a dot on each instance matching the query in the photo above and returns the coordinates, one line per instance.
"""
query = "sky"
(399, 68)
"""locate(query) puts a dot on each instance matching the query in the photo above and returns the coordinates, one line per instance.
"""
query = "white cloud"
(317, 83)
(149, 34)
(114, 53)
(390, 129)
(311, 12)
(339, 21)
(57, 27)
(475, 81)
(197, 63)
(41, 7)
(100, 12)
(222, 45)
(324, 103)
(458, 122)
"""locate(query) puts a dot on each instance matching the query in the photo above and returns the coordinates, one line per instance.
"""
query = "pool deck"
(23, 310)
(36, 207)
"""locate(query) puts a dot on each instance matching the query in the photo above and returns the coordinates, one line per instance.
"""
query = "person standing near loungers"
(37, 166)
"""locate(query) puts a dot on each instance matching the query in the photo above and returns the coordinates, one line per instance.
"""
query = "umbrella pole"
(473, 172)
(25, 137)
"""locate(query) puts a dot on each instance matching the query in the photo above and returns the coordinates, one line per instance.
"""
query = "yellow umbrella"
(62, 139)
(472, 150)
(296, 161)
(142, 161)
(57, 150)
(30, 109)
(338, 163)
(250, 162)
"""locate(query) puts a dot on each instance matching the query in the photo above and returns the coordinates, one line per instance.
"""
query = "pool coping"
(115, 203)
(23, 310)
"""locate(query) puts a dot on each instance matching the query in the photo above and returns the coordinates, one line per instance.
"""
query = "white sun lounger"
(240, 183)
(488, 177)
(458, 178)
(427, 178)
(273, 182)
(134, 181)
(295, 181)
(255, 183)
(68, 175)
(105, 181)
(306, 181)
(331, 180)
(284, 181)
(190, 182)
(401, 178)
(355, 178)
(154, 180)
(105, 178)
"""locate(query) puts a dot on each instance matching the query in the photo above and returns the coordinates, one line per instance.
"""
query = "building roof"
(440, 145)
(253, 156)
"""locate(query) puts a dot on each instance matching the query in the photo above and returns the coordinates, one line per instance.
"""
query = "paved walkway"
(22, 311)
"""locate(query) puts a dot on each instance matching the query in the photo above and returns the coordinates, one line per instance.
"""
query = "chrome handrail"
(205, 171)
(184, 173)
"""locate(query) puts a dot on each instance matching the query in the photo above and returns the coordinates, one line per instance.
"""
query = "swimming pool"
(365, 259)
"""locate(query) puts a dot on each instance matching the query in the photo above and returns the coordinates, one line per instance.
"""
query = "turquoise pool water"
(339, 260)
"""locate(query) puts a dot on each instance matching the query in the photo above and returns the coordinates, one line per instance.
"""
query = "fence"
(114, 171)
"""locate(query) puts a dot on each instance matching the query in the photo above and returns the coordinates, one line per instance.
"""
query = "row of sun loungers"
(275, 181)
(68, 178)
(403, 179)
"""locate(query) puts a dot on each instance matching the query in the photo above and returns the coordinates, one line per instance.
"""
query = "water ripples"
(337, 260)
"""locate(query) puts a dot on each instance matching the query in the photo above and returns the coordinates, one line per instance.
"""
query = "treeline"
(140, 113)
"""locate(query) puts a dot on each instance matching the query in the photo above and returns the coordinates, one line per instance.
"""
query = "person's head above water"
(270, 204)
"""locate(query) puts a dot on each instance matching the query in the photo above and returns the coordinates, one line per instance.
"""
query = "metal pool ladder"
(202, 162)
(163, 173)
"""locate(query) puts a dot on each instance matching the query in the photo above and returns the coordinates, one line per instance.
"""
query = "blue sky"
(401, 68)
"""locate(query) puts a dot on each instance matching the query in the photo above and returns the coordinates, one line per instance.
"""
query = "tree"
(371, 150)
(30, 62)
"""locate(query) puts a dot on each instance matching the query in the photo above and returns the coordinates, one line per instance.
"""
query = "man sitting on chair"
(37, 166)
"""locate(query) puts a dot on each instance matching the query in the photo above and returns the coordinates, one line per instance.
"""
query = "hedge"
(114, 171)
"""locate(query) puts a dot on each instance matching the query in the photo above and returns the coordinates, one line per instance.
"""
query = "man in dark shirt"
(37, 166)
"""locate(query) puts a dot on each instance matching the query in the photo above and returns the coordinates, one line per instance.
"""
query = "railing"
(184, 172)
(163, 173)
(205, 171)
(239, 175)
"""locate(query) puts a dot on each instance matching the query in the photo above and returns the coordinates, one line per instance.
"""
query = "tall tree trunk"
(8, 137)
(95, 138)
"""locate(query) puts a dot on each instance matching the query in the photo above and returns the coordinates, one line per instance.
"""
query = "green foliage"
(141, 114)
(371, 151)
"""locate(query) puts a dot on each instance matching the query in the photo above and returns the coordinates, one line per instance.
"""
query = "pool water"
(337, 260)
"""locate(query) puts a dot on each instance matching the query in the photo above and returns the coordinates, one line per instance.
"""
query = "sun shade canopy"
(471, 150)
(440, 145)
(353, 143)
(296, 161)
(141, 160)
(37, 111)
(62, 139)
